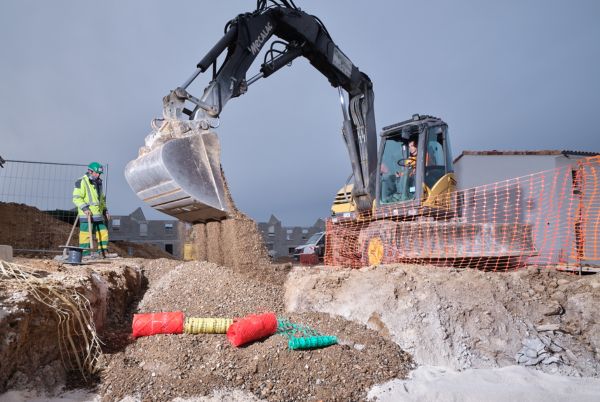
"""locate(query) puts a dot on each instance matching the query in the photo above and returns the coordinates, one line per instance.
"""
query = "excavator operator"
(411, 161)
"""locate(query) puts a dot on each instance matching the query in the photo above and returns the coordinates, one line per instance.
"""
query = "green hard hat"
(96, 167)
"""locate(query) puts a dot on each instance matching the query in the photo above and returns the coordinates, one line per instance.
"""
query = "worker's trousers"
(99, 231)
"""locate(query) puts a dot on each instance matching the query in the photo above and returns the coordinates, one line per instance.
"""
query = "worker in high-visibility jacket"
(91, 202)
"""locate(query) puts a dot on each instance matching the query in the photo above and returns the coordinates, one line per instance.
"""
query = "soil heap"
(28, 228)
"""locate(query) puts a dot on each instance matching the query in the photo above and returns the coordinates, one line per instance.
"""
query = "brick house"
(168, 235)
(281, 240)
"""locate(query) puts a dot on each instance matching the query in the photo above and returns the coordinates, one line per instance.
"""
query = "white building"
(561, 204)
(475, 168)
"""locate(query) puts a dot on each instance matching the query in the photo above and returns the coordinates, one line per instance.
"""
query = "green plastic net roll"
(301, 337)
(312, 342)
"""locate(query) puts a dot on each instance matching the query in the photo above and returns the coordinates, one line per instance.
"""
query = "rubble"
(465, 319)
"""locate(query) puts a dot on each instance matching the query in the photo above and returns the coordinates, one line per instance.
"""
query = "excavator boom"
(178, 171)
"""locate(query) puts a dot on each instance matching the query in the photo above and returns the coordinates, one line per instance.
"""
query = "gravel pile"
(163, 367)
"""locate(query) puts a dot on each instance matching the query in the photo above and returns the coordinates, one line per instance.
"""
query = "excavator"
(178, 170)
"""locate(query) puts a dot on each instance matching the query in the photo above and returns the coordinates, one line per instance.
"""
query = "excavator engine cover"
(179, 173)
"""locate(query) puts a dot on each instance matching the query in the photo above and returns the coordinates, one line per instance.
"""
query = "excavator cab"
(414, 168)
(415, 164)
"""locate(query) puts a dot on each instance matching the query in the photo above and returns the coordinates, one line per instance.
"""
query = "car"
(314, 246)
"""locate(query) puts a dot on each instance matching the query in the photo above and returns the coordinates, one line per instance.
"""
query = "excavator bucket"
(182, 177)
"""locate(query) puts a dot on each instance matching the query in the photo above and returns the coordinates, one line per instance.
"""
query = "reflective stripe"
(95, 218)
(91, 195)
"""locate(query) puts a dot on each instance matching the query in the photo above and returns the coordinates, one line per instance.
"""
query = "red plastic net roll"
(252, 328)
(157, 323)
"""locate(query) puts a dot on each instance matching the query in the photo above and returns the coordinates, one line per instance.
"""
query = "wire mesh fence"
(548, 218)
(36, 207)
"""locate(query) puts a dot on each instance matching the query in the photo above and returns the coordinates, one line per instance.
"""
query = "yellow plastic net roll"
(195, 325)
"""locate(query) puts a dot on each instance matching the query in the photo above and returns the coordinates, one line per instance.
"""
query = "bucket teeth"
(182, 177)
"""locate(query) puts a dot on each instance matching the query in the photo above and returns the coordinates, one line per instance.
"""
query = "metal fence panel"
(36, 207)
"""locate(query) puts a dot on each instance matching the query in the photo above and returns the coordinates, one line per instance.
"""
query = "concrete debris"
(6, 253)
(538, 350)
(554, 309)
(441, 326)
(547, 327)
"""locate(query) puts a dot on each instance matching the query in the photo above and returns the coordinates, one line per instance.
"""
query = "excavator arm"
(301, 34)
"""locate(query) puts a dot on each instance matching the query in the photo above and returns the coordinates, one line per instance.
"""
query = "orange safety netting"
(547, 218)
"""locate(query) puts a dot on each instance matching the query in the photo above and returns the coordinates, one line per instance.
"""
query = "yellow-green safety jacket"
(88, 195)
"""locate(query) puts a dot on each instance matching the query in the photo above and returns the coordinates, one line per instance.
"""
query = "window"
(169, 228)
(271, 231)
(144, 229)
(288, 234)
(169, 248)
(397, 172)
(435, 160)
(116, 224)
(291, 250)
(314, 239)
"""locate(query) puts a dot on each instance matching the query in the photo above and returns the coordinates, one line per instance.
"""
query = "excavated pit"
(163, 367)
(480, 329)
(32, 305)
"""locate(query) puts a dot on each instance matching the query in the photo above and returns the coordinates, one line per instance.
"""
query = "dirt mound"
(166, 366)
(27, 228)
(466, 318)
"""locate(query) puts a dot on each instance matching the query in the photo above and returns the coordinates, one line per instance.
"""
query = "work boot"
(90, 257)
(106, 254)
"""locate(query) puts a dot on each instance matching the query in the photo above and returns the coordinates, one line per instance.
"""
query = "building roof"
(138, 214)
(273, 220)
(540, 152)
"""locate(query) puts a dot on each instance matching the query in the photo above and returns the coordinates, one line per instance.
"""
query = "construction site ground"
(406, 333)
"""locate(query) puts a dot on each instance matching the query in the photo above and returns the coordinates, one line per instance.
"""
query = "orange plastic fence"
(547, 218)
(252, 328)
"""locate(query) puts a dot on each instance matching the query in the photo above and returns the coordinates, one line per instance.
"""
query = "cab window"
(435, 158)
(396, 173)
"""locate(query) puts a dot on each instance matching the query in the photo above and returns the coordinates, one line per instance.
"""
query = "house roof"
(138, 215)
(540, 152)
(273, 220)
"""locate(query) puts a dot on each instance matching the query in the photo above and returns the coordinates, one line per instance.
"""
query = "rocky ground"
(465, 319)
(471, 334)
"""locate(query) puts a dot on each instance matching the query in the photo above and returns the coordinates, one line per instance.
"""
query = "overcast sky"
(81, 81)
